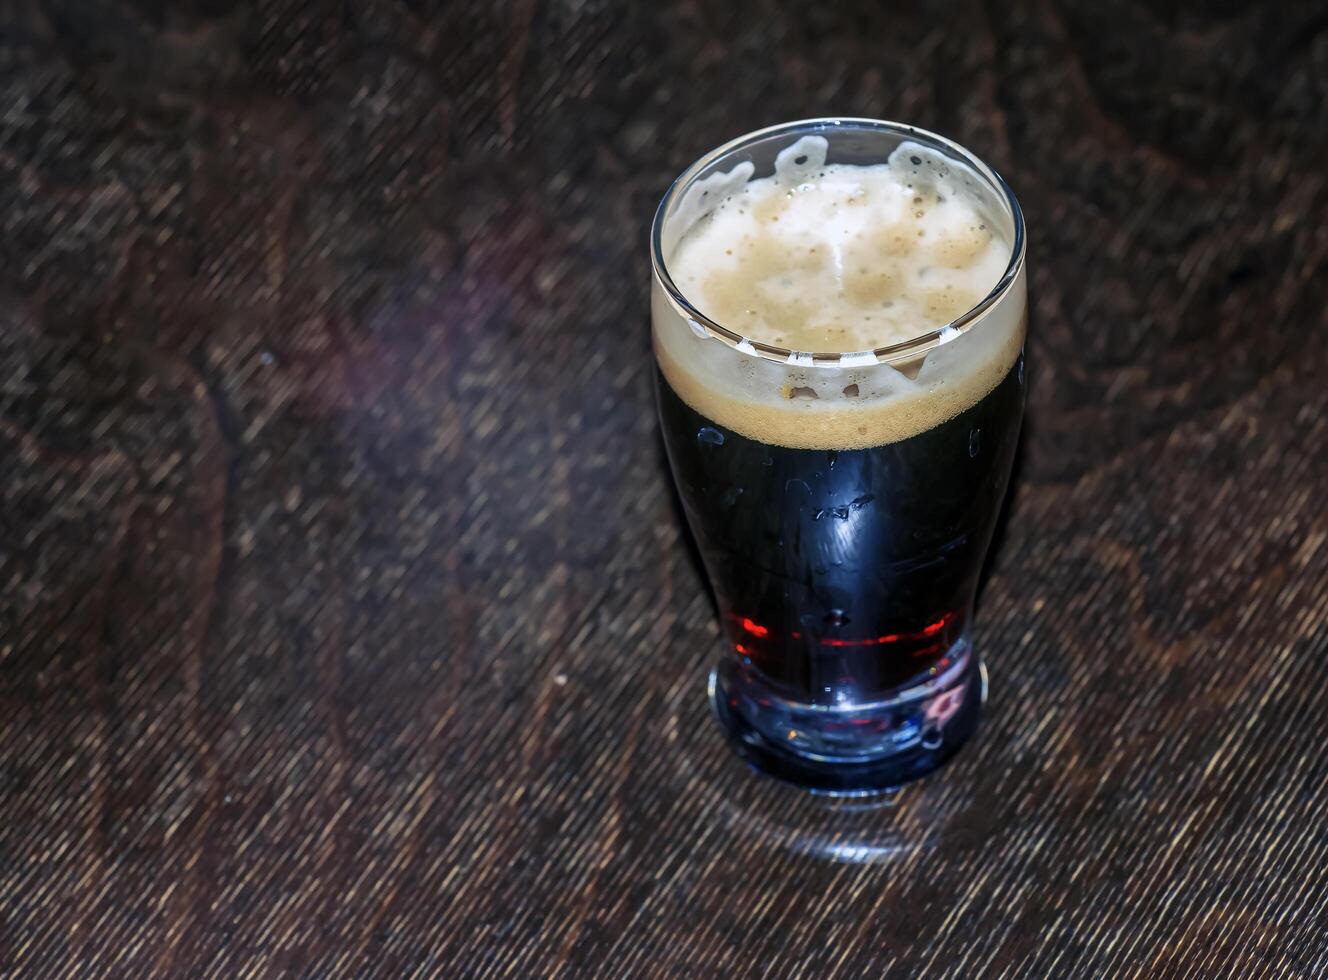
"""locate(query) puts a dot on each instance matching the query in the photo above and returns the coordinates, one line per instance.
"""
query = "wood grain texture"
(346, 626)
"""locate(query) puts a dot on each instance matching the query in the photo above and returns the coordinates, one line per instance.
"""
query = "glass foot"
(862, 752)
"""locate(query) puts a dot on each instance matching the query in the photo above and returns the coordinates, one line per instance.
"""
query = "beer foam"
(834, 258)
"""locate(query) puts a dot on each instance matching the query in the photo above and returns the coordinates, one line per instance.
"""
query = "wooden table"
(346, 624)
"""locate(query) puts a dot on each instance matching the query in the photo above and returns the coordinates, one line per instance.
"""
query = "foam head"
(840, 258)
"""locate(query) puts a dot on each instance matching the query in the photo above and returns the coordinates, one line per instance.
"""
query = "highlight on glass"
(838, 317)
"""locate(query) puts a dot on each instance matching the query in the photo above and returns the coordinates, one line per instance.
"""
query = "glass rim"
(903, 350)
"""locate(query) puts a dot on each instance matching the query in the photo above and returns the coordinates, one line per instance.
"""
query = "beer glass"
(843, 501)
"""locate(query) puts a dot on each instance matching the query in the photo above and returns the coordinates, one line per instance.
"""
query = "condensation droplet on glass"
(712, 437)
(1021, 370)
(835, 618)
(974, 443)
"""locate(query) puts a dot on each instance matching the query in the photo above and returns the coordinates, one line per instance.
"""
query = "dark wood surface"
(346, 624)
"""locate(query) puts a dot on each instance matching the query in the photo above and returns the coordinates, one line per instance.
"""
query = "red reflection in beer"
(929, 630)
(752, 626)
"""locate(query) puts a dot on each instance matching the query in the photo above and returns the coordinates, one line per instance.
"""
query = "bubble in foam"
(797, 162)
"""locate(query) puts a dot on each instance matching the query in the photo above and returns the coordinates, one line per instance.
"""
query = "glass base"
(859, 751)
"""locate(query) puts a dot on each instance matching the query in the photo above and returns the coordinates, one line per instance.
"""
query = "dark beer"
(844, 575)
